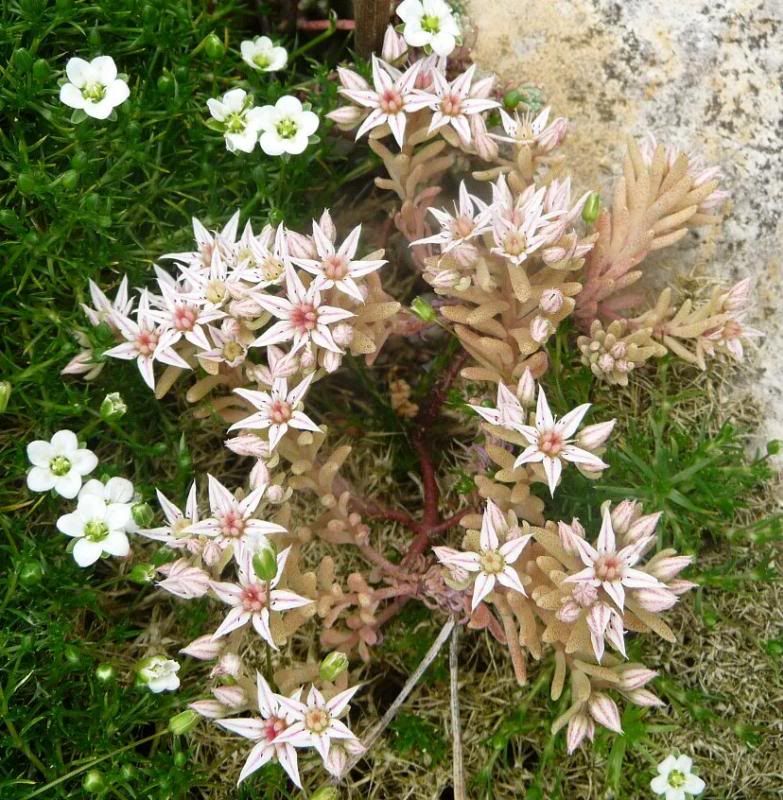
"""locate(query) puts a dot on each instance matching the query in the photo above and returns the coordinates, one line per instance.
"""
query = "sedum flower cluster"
(255, 322)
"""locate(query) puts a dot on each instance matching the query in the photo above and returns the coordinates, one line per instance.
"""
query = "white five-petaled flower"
(550, 442)
(275, 719)
(261, 53)
(232, 522)
(286, 127)
(278, 409)
(610, 569)
(675, 781)
(252, 599)
(98, 527)
(337, 267)
(429, 23)
(471, 218)
(93, 86)
(388, 100)
(159, 674)
(493, 563)
(316, 722)
(302, 317)
(451, 103)
(59, 464)
(240, 119)
(117, 491)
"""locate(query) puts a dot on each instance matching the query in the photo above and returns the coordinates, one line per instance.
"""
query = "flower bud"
(204, 648)
(655, 600)
(680, 586)
(214, 47)
(526, 389)
(248, 445)
(112, 407)
(326, 225)
(307, 360)
(352, 80)
(183, 722)
(635, 677)
(551, 301)
(579, 726)
(105, 673)
(644, 698)
(230, 665)
(512, 99)
(592, 208)
(94, 782)
(486, 146)
(142, 573)
(332, 666)
(540, 329)
(259, 475)
(342, 333)
(346, 117)
(606, 363)
(643, 527)
(210, 709)
(30, 572)
(624, 514)
(394, 45)
(423, 310)
(276, 494)
(667, 568)
(593, 436)
(5, 395)
(604, 711)
(231, 696)
(265, 561)
(142, 514)
(326, 792)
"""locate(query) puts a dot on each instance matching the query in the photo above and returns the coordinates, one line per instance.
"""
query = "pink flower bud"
(230, 664)
(248, 445)
(259, 475)
(619, 350)
(568, 538)
(604, 711)
(307, 360)
(203, 648)
(624, 514)
(326, 225)
(79, 364)
(642, 527)
(680, 586)
(394, 45)
(606, 363)
(486, 146)
(275, 494)
(483, 88)
(737, 297)
(331, 361)
(540, 329)
(593, 436)
(569, 612)
(352, 80)
(655, 599)
(579, 726)
(346, 117)
(232, 696)
(553, 135)
(644, 698)
(635, 677)
(342, 333)
(667, 568)
(211, 553)
(551, 301)
(210, 709)
(465, 254)
(553, 254)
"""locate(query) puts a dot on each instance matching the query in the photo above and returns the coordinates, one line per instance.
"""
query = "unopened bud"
(342, 334)
(526, 389)
(326, 793)
(5, 395)
(591, 208)
(623, 515)
(183, 722)
(112, 407)
(635, 677)
(333, 665)
(205, 648)
(142, 573)
(214, 47)
(540, 329)
(423, 310)
(210, 709)
(265, 561)
(352, 80)
(551, 301)
(276, 494)
(259, 475)
(512, 99)
(105, 673)
(393, 45)
(346, 117)
(142, 514)
(230, 696)
(94, 782)
(594, 436)
(326, 224)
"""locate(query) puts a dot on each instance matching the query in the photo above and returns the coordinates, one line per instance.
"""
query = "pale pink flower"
(252, 599)
(265, 732)
(183, 579)
(528, 130)
(509, 412)
(337, 267)
(550, 442)
(207, 243)
(302, 316)
(103, 309)
(183, 317)
(178, 523)
(471, 218)
(278, 409)
(493, 563)
(728, 338)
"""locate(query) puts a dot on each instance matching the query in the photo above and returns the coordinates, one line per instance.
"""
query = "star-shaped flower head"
(278, 409)
(494, 561)
(509, 412)
(207, 243)
(471, 218)
(252, 599)
(265, 732)
(550, 442)
(302, 316)
(389, 99)
(337, 267)
(176, 532)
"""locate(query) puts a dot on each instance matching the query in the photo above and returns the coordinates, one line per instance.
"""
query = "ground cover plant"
(466, 456)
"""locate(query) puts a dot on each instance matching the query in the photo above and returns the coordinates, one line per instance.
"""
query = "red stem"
(325, 24)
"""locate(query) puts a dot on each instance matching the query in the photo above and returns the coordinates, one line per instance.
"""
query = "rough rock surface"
(707, 77)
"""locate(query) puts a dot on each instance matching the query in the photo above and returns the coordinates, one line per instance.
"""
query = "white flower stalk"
(98, 528)
(59, 464)
(252, 599)
(93, 86)
(550, 442)
(337, 267)
(302, 316)
(316, 722)
(159, 674)
(239, 119)
(286, 127)
(278, 409)
(116, 491)
(262, 54)
(494, 562)
(388, 100)
(611, 569)
(429, 24)
(452, 103)
(275, 719)
(232, 523)
(675, 781)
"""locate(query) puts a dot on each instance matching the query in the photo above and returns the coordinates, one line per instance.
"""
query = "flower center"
(184, 318)
(59, 466)
(235, 123)
(262, 60)
(272, 269)
(215, 292)
(286, 128)
(492, 562)
(273, 727)
(232, 351)
(550, 443)
(391, 101)
(317, 720)
(180, 528)
(304, 317)
(280, 412)
(676, 778)
(146, 342)
(515, 243)
(732, 329)
(253, 597)
(451, 105)
(609, 568)
(335, 267)
(232, 524)
(94, 92)
(462, 227)
(430, 23)
(96, 530)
